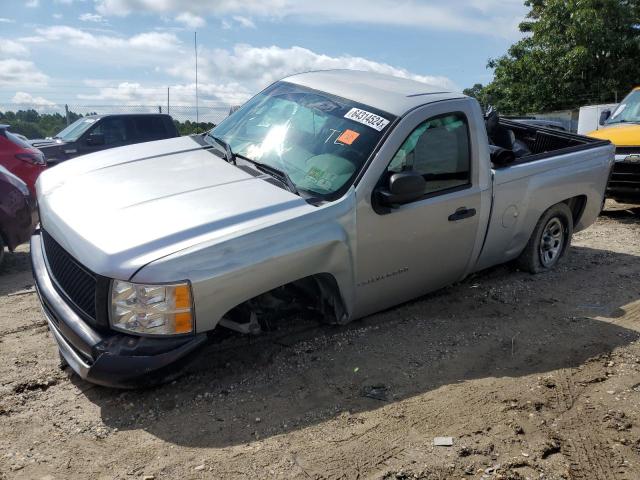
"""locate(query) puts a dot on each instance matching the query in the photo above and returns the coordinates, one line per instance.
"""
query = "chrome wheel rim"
(551, 242)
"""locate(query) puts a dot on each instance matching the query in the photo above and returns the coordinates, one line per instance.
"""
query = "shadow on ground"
(15, 272)
(624, 214)
(499, 323)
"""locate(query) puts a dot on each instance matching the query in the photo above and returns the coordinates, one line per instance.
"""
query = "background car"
(20, 158)
(99, 132)
(18, 212)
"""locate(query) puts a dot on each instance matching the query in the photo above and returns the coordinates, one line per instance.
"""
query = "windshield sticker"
(367, 118)
(315, 174)
(331, 135)
(348, 137)
(321, 178)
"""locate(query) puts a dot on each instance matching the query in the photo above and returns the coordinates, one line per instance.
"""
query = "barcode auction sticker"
(367, 118)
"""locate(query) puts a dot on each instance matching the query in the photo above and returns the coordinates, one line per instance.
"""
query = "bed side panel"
(522, 193)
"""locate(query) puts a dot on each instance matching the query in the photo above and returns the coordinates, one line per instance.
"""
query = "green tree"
(32, 124)
(576, 52)
(478, 92)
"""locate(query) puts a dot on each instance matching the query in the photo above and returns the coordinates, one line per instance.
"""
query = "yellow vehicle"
(622, 128)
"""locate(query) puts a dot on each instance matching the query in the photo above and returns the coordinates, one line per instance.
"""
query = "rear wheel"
(549, 241)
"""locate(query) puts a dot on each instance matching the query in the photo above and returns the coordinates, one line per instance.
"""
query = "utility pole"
(195, 45)
(168, 100)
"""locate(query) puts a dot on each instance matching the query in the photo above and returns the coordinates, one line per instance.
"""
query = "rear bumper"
(106, 358)
(624, 184)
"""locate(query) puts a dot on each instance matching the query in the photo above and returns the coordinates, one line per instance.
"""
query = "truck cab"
(93, 133)
(622, 128)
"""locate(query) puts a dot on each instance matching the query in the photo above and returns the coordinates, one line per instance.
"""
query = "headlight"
(151, 309)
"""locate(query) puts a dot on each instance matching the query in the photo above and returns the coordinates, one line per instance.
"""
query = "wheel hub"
(552, 242)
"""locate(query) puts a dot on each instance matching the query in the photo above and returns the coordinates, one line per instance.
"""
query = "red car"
(20, 158)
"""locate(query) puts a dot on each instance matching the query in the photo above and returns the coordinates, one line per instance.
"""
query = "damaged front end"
(100, 355)
(316, 295)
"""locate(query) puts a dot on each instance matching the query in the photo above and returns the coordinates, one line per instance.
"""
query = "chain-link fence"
(182, 113)
(38, 120)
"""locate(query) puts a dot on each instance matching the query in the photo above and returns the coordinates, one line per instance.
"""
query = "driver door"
(109, 132)
(408, 250)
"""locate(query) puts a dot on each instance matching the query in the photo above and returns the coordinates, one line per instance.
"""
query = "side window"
(149, 128)
(439, 150)
(114, 130)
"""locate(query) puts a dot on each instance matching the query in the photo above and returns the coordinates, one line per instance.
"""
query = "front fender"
(231, 272)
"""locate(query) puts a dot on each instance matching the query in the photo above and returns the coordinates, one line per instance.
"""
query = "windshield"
(77, 128)
(320, 141)
(628, 110)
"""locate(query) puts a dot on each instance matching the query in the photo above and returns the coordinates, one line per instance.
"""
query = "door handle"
(462, 213)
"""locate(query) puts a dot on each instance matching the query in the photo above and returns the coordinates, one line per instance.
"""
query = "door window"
(150, 128)
(439, 150)
(114, 130)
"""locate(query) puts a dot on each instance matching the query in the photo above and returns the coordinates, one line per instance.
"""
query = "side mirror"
(604, 116)
(404, 187)
(95, 139)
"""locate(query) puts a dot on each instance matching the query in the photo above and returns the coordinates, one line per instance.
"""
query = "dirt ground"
(533, 376)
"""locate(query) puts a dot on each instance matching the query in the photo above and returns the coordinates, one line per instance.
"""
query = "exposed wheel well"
(317, 293)
(576, 205)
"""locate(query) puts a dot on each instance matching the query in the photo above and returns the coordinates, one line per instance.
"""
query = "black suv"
(99, 132)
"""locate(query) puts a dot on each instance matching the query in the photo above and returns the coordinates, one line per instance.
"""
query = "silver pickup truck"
(337, 193)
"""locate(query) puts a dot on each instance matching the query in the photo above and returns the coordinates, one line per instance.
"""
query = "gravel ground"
(532, 376)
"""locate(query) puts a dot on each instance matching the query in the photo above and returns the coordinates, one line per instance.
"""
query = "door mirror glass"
(404, 187)
(604, 116)
(95, 139)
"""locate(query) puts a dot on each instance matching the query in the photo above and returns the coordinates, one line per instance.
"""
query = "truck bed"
(546, 142)
(563, 167)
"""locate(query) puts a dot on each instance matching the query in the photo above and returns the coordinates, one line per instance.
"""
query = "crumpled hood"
(119, 209)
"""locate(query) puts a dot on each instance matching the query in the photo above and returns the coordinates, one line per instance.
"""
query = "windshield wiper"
(622, 121)
(274, 172)
(229, 156)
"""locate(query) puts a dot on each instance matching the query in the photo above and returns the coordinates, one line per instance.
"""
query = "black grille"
(625, 174)
(627, 150)
(76, 282)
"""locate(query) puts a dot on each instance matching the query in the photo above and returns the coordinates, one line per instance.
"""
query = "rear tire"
(549, 241)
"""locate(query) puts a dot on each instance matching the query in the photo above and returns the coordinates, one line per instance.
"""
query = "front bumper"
(106, 358)
(624, 183)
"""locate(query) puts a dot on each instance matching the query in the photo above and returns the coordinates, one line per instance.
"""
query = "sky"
(127, 52)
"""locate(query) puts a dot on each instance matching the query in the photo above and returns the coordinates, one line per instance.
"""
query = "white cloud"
(25, 98)
(32, 3)
(14, 72)
(257, 67)
(92, 17)
(147, 43)
(493, 17)
(244, 21)
(232, 76)
(133, 93)
(190, 20)
(7, 20)
(57, 16)
(11, 48)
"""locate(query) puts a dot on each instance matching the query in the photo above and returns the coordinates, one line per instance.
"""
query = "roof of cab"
(98, 116)
(388, 93)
